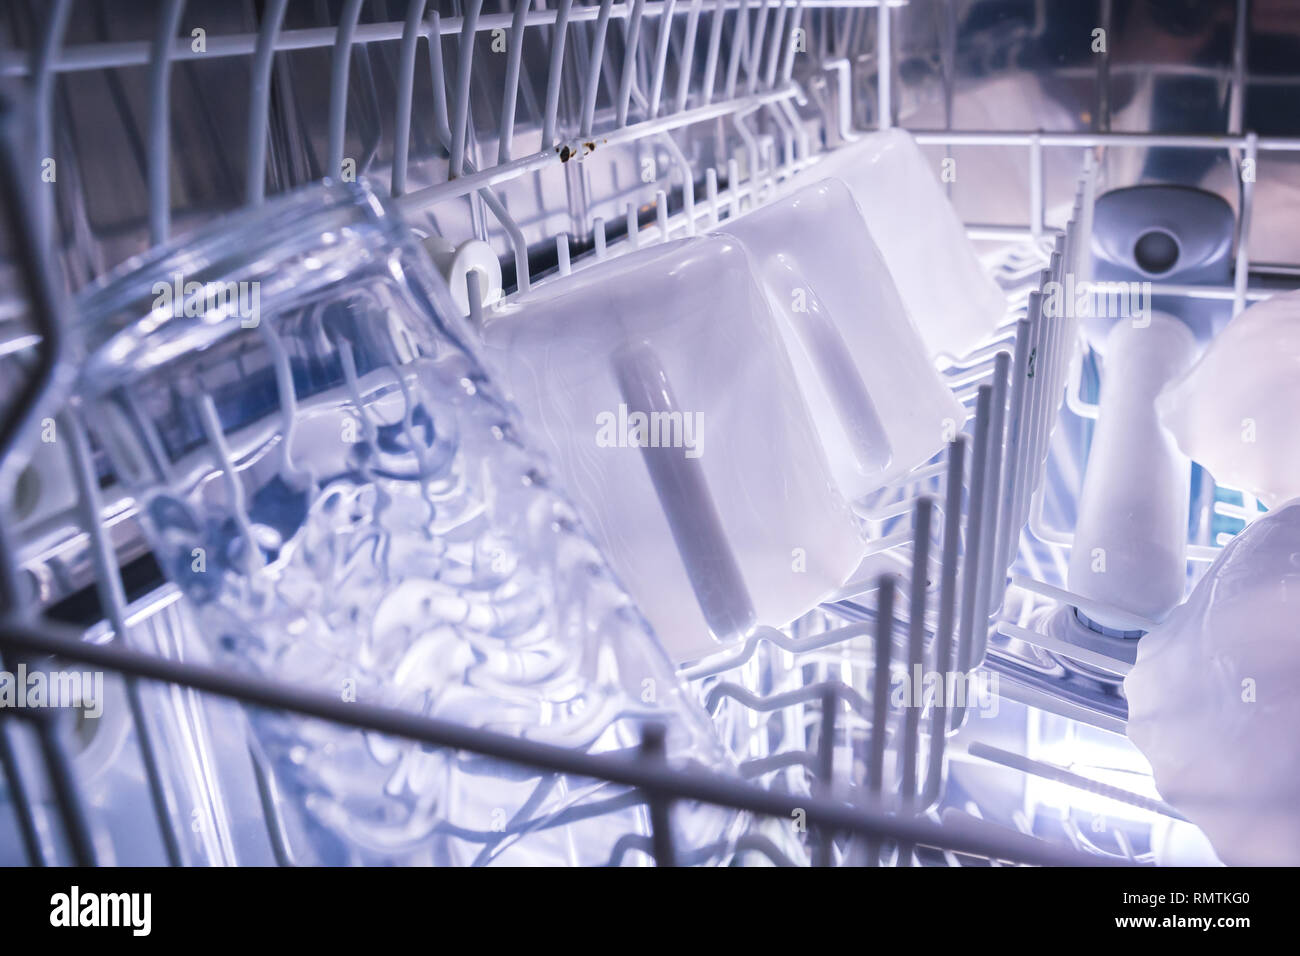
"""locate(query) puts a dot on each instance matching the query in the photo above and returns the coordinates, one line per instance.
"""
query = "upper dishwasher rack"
(561, 135)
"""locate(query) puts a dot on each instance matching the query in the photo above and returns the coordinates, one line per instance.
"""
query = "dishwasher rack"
(944, 539)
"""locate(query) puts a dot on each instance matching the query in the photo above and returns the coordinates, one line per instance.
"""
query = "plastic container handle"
(833, 361)
(683, 493)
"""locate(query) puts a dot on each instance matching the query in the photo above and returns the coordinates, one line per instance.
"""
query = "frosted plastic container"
(724, 514)
(879, 404)
(955, 304)
(1212, 701)
(324, 469)
(1235, 411)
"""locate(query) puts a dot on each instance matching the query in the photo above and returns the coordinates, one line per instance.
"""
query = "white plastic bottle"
(1130, 542)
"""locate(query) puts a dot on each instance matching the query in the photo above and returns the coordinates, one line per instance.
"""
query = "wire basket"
(559, 135)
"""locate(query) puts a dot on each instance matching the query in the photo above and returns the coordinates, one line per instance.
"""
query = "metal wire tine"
(884, 640)
(1038, 424)
(211, 423)
(711, 193)
(1084, 263)
(597, 57)
(884, 67)
(992, 579)
(787, 138)
(1070, 236)
(787, 68)
(554, 72)
(739, 45)
(609, 70)
(259, 106)
(473, 288)
(422, 199)
(857, 23)
(633, 227)
(43, 85)
(1061, 337)
(63, 780)
(562, 253)
(754, 52)
(654, 751)
(1053, 333)
(661, 57)
(1069, 267)
(916, 634)
(464, 68)
(269, 801)
(1036, 186)
(339, 68)
(733, 187)
(438, 80)
(970, 572)
(1241, 268)
(738, 119)
(770, 635)
(774, 50)
(288, 399)
(1034, 370)
(160, 72)
(1017, 473)
(630, 44)
(514, 55)
(687, 57)
(913, 677)
(711, 56)
(411, 30)
(943, 639)
(769, 164)
(688, 180)
(802, 138)
(824, 850)
(995, 515)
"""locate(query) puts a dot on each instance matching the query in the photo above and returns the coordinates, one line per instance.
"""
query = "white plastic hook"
(456, 262)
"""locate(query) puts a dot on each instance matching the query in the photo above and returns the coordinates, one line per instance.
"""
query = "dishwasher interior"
(494, 159)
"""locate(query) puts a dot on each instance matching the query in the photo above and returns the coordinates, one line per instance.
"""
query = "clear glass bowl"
(324, 468)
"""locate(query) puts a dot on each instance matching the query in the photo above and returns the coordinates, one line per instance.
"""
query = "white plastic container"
(879, 404)
(1235, 412)
(729, 516)
(955, 304)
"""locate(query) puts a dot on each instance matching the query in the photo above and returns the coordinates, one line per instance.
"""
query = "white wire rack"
(731, 97)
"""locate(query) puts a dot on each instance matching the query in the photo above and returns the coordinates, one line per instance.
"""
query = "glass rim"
(122, 329)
